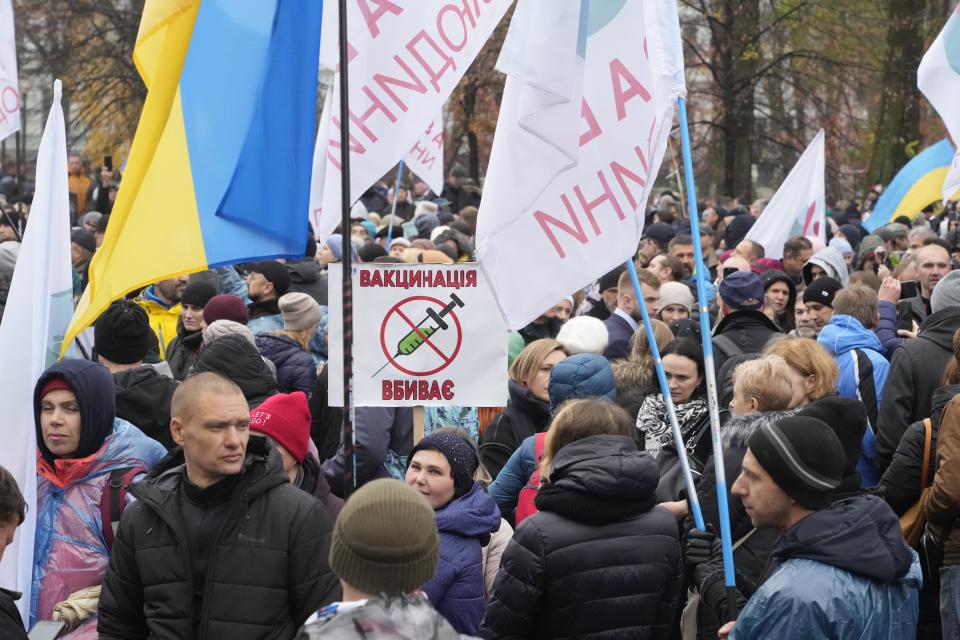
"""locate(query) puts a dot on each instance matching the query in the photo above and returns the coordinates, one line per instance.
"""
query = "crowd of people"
(191, 471)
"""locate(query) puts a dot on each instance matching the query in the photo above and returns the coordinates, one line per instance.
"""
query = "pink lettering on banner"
(351, 54)
(448, 62)
(372, 16)
(438, 140)
(593, 127)
(376, 105)
(10, 99)
(625, 87)
(575, 230)
(607, 196)
(442, 25)
(415, 84)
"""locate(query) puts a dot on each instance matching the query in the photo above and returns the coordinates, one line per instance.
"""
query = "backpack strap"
(927, 445)
(113, 500)
(727, 346)
(866, 389)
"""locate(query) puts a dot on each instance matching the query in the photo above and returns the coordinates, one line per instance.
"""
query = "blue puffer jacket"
(841, 572)
(456, 590)
(581, 376)
(296, 370)
(840, 337)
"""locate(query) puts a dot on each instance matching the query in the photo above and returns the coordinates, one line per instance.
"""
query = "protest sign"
(9, 89)
(422, 335)
(425, 158)
(583, 126)
(799, 205)
(405, 58)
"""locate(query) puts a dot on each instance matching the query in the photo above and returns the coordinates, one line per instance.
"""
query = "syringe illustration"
(419, 334)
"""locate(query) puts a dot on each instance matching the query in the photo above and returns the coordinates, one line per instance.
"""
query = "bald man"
(221, 545)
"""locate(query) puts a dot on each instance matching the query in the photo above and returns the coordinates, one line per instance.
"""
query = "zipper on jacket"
(208, 581)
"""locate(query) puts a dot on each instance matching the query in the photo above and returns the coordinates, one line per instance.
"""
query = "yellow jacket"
(163, 320)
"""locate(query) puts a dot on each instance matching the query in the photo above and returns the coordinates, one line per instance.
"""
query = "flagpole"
(349, 443)
(705, 335)
(667, 400)
(19, 159)
(393, 209)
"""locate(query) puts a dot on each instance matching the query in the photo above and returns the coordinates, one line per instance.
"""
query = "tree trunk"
(898, 119)
(738, 61)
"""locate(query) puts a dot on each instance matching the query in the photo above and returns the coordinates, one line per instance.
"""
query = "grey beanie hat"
(385, 539)
(946, 293)
(299, 311)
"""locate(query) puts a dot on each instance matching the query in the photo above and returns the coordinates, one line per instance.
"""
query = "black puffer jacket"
(143, 399)
(524, 416)
(597, 561)
(266, 575)
(901, 480)
(296, 370)
(916, 371)
(236, 358)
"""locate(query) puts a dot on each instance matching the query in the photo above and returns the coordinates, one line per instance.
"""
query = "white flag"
(405, 57)
(9, 88)
(39, 308)
(938, 78)
(583, 126)
(798, 207)
(425, 158)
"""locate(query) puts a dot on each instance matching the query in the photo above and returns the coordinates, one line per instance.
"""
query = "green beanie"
(385, 539)
(515, 345)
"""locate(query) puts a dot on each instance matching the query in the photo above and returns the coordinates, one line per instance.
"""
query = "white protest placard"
(404, 59)
(422, 335)
(583, 126)
(9, 89)
(425, 158)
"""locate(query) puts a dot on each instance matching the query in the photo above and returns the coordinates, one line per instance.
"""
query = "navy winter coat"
(296, 370)
(456, 590)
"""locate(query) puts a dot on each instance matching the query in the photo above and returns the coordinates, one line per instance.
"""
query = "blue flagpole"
(393, 209)
(725, 535)
(667, 400)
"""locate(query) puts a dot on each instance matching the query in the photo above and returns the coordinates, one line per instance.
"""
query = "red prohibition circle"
(396, 309)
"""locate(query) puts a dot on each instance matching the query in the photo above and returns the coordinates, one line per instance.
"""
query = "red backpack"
(114, 499)
(525, 501)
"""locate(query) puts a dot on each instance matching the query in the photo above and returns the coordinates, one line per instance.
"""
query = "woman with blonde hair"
(288, 348)
(812, 368)
(636, 376)
(597, 527)
(528, 410)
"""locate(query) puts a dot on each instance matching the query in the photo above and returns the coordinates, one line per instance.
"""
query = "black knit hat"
(385, 539)
(822, 290)
(803, 456)
(848, 420)
(198, 294)
(458, 452)
(275, 273)
(85, 239)
(122, 333)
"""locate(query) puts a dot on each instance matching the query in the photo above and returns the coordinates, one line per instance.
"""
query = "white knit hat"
(424, 207)
(583, 334)
(676, 293)
(299, 311)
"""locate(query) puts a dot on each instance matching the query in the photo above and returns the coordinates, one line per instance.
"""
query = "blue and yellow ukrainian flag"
(219, 170)
(915, 187)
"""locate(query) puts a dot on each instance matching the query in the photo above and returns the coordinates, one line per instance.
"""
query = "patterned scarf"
(654, 426)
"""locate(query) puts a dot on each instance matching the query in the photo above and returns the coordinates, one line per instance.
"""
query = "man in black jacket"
(13, 510)
(218, 543)
(917, 369)
(744, 328)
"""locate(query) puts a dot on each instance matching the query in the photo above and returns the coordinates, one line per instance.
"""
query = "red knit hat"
(55, 384)
(285, 417)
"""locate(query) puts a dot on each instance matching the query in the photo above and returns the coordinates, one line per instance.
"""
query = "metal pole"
(725, 536)
(349, 443)
(393, 209)
(667, 400)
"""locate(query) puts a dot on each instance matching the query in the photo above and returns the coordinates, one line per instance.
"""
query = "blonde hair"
(809, 358)
(579, 419)
(767, 380)
(528, 363)
(640, 346)
(301, 336)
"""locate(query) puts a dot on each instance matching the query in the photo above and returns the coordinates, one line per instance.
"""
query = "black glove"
(702, 553)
